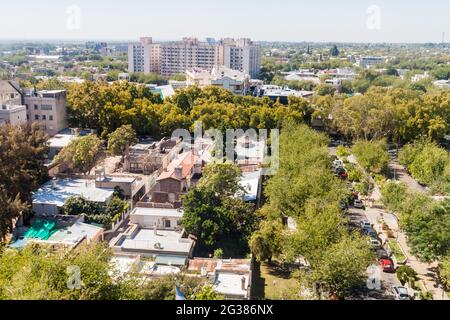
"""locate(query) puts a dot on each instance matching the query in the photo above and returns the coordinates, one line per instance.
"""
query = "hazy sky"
(281, 20)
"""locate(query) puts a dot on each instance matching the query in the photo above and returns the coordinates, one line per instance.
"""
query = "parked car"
(371, 233)
(366, 224)
(400, 293)
(382, 254)
(375, 244)
(387, 265)
(358, 204)
(338, 164)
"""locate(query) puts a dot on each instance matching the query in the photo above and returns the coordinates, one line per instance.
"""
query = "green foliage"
(372, 155)
(218, 253)
(334, 51)
(444, 273)
(81, 154)
(394, 195)
(214, 215)
(428, 164)
(325, 90)
(121, 139)
(23, 150)
(75, 206)
(406, 275)
(343, 151)
(207, 293)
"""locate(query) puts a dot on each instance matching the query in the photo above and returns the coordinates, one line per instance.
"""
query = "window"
(46, 107)
(167, 224)
(36, 117)
(44, 117)
(36, 107)
(50, 118)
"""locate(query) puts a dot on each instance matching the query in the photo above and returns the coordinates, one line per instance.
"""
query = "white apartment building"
(367, 62)
(189, 53)
(242, 55)
(235, 81)
(48, 108)
(172, 58)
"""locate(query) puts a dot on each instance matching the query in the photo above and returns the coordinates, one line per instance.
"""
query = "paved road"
(402, 175)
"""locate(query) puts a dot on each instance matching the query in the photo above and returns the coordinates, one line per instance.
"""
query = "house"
(66, 232)
(231, 278)
(12, 114)
(149, 156)
(251, 182)
(155, 233)
(235, 81)
(52, 196)
(177, 179)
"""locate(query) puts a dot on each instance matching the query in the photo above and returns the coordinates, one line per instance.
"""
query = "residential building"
(155, 233)
(367, 62)
(177, 57)
(10, 93)
(172, 58)
(420, 77)
(177, 179)
(242, 55)
(442, 84)
(233, 80)
(149, 156)
(231, 278)
(12, 114)
(251, 182)
(51, 197)
(281, 94)
(48, 108)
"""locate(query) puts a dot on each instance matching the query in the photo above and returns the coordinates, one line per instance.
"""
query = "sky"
(262, 20)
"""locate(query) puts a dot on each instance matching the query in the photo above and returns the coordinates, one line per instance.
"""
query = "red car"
(387, 265)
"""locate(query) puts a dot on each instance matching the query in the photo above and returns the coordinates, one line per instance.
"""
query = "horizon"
(324, 22)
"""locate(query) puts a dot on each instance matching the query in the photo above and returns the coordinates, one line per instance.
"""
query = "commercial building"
(367, 62)
(233, 80)
(171, 58)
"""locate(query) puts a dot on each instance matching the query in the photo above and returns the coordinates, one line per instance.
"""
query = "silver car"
(400, 293)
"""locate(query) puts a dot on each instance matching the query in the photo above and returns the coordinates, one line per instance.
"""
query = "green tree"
(81, 154)
(121, 139)
(372, 156)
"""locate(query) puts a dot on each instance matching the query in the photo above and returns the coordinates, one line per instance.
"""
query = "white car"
(400, 293)
(366, 225)
(375, 244)
(358, 204)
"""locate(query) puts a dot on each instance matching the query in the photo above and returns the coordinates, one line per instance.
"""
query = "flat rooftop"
(61, 140)
(164, 241)
(75, 233)
(158, 212)
(250, 183)
(231, 284)
(56, 192)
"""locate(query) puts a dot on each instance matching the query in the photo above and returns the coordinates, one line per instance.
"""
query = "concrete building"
(233, 80)
(242, 55)
(367, 62)
(48, 108)
(10, 93)
(52, 196)
(13, 114)
(171, 58)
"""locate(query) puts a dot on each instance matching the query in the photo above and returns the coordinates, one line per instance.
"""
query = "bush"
(218, 254)
(343, 151)
(406, 274)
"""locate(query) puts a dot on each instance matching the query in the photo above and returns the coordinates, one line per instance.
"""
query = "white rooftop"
(164, 241)
(231, 284)
(61, 140)
(56, 192)
(250, 182)
(75, 233)
(158, 212)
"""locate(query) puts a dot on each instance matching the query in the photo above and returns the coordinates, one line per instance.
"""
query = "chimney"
(243, 284)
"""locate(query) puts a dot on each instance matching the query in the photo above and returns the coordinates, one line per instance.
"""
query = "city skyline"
(287, 21)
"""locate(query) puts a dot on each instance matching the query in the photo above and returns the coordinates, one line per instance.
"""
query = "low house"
(52, 196)
(221, 76)
(231, 278)
(155, 233)
(177, 179)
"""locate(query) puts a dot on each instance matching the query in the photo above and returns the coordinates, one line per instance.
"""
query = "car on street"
(382, 254)
(371, 233)
(387, 265)
(366, 224)
(358, 204)
(400, 293)
(375, 244)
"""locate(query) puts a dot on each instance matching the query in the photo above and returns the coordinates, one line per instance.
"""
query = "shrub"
(406, 274)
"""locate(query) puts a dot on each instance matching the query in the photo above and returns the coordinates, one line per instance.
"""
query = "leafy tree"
(207, 293)
(75, 206)
(266, 243)
(11, 210)
(121, 139)
(81, 154)
(406, 274)
(334, 51)
(444, 272)
(372, 156)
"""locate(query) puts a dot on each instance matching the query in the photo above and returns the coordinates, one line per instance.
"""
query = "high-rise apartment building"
(242, 55)
(176, 57)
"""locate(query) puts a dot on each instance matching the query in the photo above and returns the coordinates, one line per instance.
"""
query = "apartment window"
(36, 117)
(46, 107)
(50, 118)
(36, 107)
(167, 223)
(44, 117)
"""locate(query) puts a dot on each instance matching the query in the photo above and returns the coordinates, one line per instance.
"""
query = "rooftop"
(158, 212)
(250, 182)
(56, 192)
